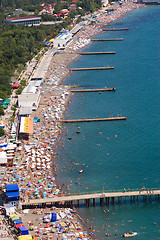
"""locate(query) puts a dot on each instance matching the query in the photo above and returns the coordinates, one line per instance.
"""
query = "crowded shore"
(34, 168)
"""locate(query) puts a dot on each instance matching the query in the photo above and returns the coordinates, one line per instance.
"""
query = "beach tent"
(12, 191)
(3, 145)
(53, 217)
(25, 237)
(19, 225)
(17, 221)
(12, 187)
(16, 85)
(6, 102)
(47, 43)
(15, 218)
(23, 231)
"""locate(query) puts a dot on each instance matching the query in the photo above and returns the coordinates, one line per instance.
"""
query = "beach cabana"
(19, 225)
(15, 218)
(25, 237)
(12, 192)
(23, 231)
(17, 221)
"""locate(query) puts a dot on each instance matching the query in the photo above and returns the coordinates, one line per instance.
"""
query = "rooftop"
(23, 18)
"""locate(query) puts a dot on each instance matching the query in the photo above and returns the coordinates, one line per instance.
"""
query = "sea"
(117, 154)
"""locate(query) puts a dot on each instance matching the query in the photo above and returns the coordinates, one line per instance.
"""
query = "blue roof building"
(12, 192)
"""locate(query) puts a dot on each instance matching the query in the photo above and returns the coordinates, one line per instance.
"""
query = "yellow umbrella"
(51, 40)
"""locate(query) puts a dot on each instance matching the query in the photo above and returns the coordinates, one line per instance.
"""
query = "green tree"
(1, 111)
(2, 132)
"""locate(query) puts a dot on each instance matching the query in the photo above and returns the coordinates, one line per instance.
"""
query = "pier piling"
(94, 202)
(113, 201)
(101, 202)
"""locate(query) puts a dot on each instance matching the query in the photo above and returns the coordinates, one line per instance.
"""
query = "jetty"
(92, 119)
(115, 29)
(93, 90)
(92, 68)
(108, 197)
(109, 39)
(96, 53)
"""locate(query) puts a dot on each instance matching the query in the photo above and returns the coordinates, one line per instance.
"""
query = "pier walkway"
(103, 195)
(109, 39)
(92, 119)
(96, 53)
(93, 90)
(92, 68)
(115, 29)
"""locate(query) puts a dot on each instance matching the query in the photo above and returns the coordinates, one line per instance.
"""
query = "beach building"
(63, 40)
(29, 98)
(26, 127)
(12, 193)
(27, 21)
(3, 158)
(7, 154)
(75, 29)
(105, 3)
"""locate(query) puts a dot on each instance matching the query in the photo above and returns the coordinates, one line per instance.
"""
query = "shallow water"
(119, 154)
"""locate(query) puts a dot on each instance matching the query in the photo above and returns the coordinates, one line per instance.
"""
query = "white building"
(63, 40)
(29, 98)
(104, 3)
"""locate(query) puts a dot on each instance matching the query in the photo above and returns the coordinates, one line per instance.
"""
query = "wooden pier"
(92, 68)
(96, 53)
(109, 39)
(115, 29)
(109, 197)
(92, 119)
(92, 90)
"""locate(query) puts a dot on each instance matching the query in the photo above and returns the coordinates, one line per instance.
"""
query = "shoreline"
(54, 96)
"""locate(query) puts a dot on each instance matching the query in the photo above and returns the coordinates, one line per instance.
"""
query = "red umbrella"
(47, 225)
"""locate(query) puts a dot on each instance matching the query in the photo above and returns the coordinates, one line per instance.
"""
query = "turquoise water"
(120, 154)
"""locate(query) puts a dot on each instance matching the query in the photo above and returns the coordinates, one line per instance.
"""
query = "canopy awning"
(26, 125)
(12, 187)
(25, 237)
(13, 196)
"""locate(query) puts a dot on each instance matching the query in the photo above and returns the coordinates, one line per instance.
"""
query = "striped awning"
(26, 125)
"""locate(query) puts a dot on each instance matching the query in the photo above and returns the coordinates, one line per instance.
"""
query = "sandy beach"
(34, 168)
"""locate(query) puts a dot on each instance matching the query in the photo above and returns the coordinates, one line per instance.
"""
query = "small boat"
(131, 234)
(78, 130)
(81, 170)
